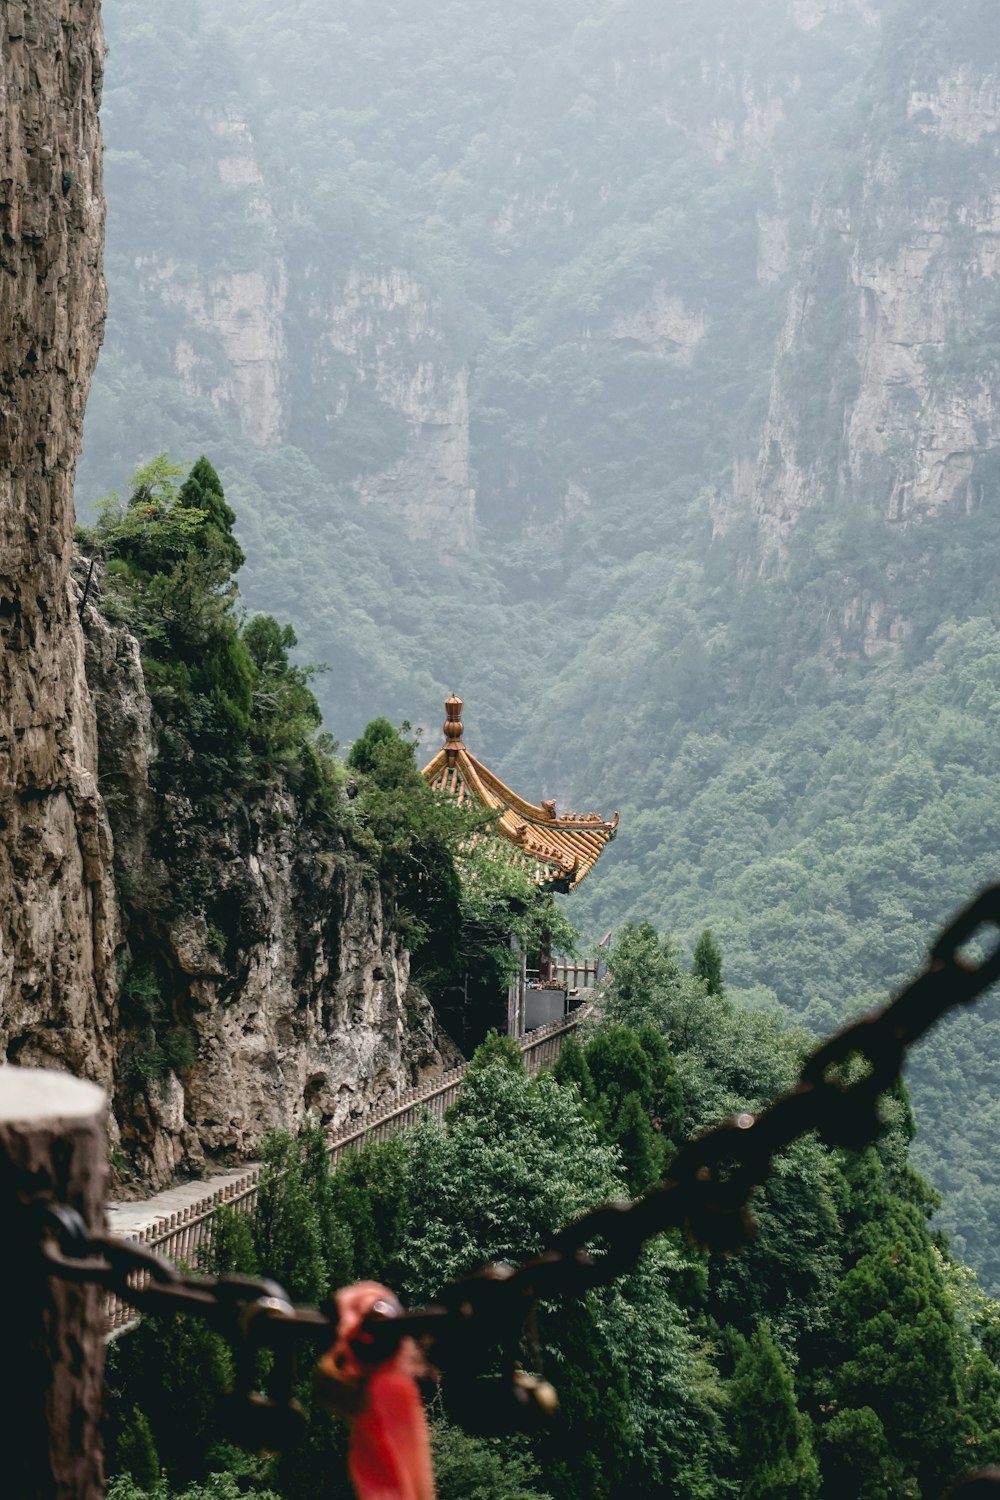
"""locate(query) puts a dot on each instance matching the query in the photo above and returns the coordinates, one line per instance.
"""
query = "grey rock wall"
(309, 1005)
(300, 999)
(59, 926)
(880, 395)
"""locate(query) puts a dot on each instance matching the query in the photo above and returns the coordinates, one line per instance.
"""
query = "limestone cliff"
(229, 341)
(260, 973)
(390, 327)
(884, 390)
(305, 358)
(60, 927)
(300, 997)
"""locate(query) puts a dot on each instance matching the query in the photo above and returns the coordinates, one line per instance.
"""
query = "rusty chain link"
(706, 1193)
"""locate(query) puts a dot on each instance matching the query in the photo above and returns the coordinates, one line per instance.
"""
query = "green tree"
(412, 836)
(644, 976)
(571, 1067)
(174, 1370)
(231, 1247)
(171, 560)
(707, 964)
(790, 1273)
(775, 1458)
(285, 713)
(202, 491)
(619, 1066)
(368, 1193)
(135, 1451)
(587, 1453)
(498, 1050)
(474, 1468)
(293, 1222)
(895, 1353)
(517, 1161)
(666, 1097)
(856, 1458)
(634, 1137)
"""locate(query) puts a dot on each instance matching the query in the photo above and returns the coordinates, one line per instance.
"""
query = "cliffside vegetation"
(721, 281)
(235, 748)
(843, 1353)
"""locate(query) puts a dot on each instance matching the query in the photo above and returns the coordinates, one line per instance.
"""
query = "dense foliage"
(238, 733)
(845, 1352)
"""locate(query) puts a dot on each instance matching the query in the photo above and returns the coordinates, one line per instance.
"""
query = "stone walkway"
(129, 1218)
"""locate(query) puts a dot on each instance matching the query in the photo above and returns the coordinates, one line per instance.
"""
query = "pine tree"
(775, 1458)
(135, 1451)
(586, 1453)
(897, 1354)
(571, 1067)
(291, 1224)
(497, 1049)
(634, 1137)
(202, 490)
(231, 1247)
(707, 964)
(174, 1370)
(856, 1459)
(619, 1066)
(666, 1095)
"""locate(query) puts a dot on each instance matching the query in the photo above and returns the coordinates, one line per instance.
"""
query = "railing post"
(52, 1145)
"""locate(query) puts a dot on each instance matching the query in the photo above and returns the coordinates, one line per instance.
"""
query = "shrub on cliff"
(234, 712)
(411, 835)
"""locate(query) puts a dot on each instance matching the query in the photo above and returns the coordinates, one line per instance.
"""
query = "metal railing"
(181, 1235)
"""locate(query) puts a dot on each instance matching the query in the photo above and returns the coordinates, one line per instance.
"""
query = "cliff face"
(884, 390)
(59, 933)
(306, 1002)
(268, 953)
(306, 356)
(229, 344)
(390, 328)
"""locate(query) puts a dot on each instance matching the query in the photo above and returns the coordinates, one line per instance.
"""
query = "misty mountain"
(629, 368)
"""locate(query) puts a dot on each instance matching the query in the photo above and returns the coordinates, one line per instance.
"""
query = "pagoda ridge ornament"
(453, 726)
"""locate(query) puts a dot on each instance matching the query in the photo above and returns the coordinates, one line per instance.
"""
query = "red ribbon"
(389, 1455)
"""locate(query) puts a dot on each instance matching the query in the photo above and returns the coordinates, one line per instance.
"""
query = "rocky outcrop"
(299, 997)
(230, 343)
(57, 978)
(391, 327)
(243, 375)
(884, 391)
(962, 107)
(812, 13)
(377, 337)
(266, 950)
(660, 324)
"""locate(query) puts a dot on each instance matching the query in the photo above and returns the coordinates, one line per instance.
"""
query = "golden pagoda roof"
(556, 849)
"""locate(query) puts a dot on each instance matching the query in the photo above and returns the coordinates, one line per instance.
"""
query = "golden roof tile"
(556, 849)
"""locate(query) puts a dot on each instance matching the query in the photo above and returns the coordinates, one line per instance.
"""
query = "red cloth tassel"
(389, 1454)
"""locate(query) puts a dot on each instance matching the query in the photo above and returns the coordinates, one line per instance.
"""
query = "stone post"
(52, 1145)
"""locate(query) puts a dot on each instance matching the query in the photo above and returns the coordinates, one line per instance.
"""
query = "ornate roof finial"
(453, 726)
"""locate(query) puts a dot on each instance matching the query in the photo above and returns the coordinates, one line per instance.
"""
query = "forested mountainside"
(844, 1353)
(629, 368)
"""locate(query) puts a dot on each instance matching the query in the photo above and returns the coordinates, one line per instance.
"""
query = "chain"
(707, 1194)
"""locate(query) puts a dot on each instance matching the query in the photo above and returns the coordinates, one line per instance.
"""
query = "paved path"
(128, 1218)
